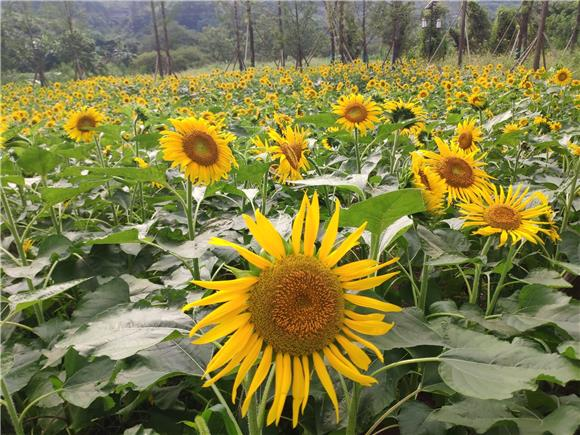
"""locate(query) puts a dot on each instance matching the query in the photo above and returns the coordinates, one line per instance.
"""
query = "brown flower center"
(201, 148)
(86, 123)
(356, 113)
(297, 305)
(562, 76)
(293, 153)
(465, 140)
(503, 216)
(456, 172)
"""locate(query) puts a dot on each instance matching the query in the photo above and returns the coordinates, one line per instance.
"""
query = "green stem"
(253, 428)
(424, 284)
(264, 191)
(357, 152)
(11, 409)
(571, 195)
(191, 222)
(19, 325)
(353, 409)
(34, 402)
(500, 283)
(104, 165)
(392, 409)
(474, 296)
(517, 162)
(394, 150)
(264, 401)
(55, 222)
(405, 362)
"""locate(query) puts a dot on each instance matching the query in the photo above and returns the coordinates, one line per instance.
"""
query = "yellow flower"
(357, 112)
(509, 215)
(555, 125)
(295, 307)
(574, 148)
(81, 125)
(200, 149)
(512, 127)
(27, 245)
(290, 149)
(468, 135)
(460, 170)
(477, 100)
(562, 77)
(142, 163)
(426, 179)
(408, 113)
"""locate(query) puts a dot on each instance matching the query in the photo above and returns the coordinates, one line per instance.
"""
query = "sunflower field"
(346, 249)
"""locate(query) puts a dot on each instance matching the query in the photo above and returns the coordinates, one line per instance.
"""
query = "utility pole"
(250, 33)
(159, 61)
(540, 35)
(167, 52)
(462, 33)
(238, 36)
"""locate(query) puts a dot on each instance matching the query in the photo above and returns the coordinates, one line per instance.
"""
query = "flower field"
(347, 249)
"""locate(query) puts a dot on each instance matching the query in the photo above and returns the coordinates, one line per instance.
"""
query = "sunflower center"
(86, 123)
(356, 113)
(201, 148)
(424, 179)
(457, 172)
(293, 153)
(503, 216)
(465, 140)
(562, 76)
(297, 305)
(403, 114)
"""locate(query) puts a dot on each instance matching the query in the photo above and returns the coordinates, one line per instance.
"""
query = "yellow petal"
(330, 234)
(286, 382)
(312, 223)
(364, 301)
(223, 329)
(306, 393)
(231, 308)
(298, 224)
(247, 364)
(255, 259)
(355, 353)
(235, 345)
(232, 284)
(345, 246)
(343, 368)
(297, 389)
(370, 327)
(268, 239)
(325, 380)
(259, 376)
(368, 283)
(216, 298)
(279, 374)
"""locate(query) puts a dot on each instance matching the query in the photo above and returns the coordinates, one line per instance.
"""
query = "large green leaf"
(166, 359)
(547, 277)
(85, 385)
(416, 418)
(355, 183)
(54, 195)
(382, 210)
(410, 330)
(126, 236)
(484, 367)
(108, 295)
(122, 331)
(20, 301)
(128, 173)
(323, 120)
(38, 161)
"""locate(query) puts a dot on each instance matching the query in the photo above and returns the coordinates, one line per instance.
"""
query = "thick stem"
(104, 165)
(499, 286)
(264, 191)
(353, 409)
(392, 409)
(405, 362)
(191, 222)
(264, 401)
(11, 409)
(474, 296)
(394, 151)
(357, 151)
(571, 195)
(253, 428)
(424, 284)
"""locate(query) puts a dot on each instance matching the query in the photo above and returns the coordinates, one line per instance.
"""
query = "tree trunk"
(159, 60)
(298, 39)
(167, 52)
(69, 17)
(331, 28)
(524, 20)
(238, 36)
(365, 53)
(574, 37)
(281, 35)
(341, 42)
(540, 35)
(250, 33)
(462, 33)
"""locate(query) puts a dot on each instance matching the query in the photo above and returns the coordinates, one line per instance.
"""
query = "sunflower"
(431, 184)
(406, 112)
(477, 100)
(290, 149)
(460, 170)
(81, 125)
(509, 215)
(199, 148)
(562, 77)
(356, 111)
(468, 135)
(512, 127)
(296, 307)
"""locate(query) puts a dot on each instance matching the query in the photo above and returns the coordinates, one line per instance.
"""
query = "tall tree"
(281, 35)
(69, 18)
(365, 53)
(250, 33)
(299, 54)
(341, 33)
(166, 38)
(462, 33)
(540, 35)
(159, 61)
(524, 19)
(238, 36)
(330, 8)
(574, 38)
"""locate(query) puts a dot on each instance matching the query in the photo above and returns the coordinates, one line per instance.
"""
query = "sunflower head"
(295, 307)
(511, 215)
(562, 77)
(461, 171)
(409, 113)
(431, 184)
(199, 148)
(289, 148)
(477, 100)
(468, 135)
(81, 125)
(356, 112)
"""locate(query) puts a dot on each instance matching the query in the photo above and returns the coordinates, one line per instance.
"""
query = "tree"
(157, 44)
(166, 38)
(365, 53)
(503, 28)
(540, 36)
(281, 35)
(330, 9)
(432, 43)
(250, 33)
(238, 37)
(524, 19)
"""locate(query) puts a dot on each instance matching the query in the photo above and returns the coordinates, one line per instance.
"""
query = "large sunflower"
(408, 112)
(562, 77)
(356, 111)
(81, 125)
(199, 148)
(460, 171)
(290, 149)
(295, 307)
(432, 185)
(509, 215)
(468, 135)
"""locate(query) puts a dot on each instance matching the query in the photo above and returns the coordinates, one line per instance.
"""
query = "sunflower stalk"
(357, 151)
(253, 424)
(264, 190)
(264, 401)
(570, 198)
(353, 409)
(192, 222)
(425, 271)
(9, 403)
(500, 284)
(394, 150)
(474, 294)
(103, 164)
